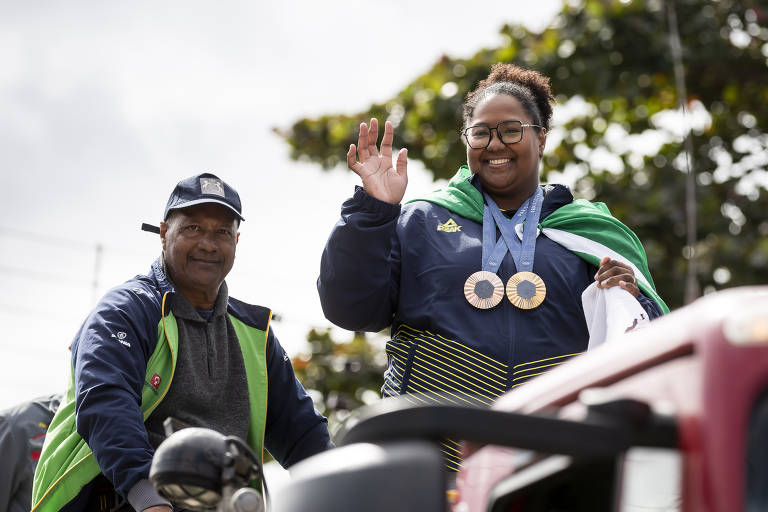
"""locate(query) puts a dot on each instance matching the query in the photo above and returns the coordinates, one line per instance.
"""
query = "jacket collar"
(157, 271)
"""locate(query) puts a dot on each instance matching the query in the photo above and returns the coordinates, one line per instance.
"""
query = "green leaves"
(341, 376)
(612, 60)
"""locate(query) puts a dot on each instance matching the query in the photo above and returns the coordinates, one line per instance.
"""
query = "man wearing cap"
(172, 344)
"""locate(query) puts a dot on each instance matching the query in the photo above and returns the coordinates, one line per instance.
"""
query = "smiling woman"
(507, 164)
(437, 269)
(510, 99)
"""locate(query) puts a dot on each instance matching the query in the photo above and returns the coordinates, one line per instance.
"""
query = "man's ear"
(542, 141)
(163, 231)
(237, 237)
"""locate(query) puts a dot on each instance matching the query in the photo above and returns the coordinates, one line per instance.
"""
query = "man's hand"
(615, 273)
(380, 178)
(158, 508)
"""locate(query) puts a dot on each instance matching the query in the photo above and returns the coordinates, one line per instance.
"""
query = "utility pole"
(96, 271)
(692, 290)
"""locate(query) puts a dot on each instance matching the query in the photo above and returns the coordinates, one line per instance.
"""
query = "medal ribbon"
(493, 251)
(522, 252)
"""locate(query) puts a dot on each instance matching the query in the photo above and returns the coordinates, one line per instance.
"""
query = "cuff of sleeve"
(649, 305)
(312, 442)
(371, 204)
(142, 496)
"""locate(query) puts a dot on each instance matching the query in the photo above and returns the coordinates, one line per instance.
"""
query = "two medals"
(484, 290)
(526, 290)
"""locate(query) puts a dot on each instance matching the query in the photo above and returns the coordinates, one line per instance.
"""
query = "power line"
(96, 273)
(16, 310)
(98, 249)
(62, 242)
(41, 276)
(46, 239)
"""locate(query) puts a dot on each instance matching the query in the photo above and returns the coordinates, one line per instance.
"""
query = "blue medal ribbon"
(522, 252)
(493, 251)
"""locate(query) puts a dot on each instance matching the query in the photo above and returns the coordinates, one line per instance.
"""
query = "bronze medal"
(483, 289)
(526, 290)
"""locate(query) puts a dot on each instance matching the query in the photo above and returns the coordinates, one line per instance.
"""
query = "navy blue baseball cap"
(203, 188)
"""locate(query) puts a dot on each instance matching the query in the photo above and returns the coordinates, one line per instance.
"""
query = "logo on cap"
(211, 186)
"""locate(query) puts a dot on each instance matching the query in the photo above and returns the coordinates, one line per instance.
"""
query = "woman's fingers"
(352, 162)
(367, 138)
(616, 273)
(612, 278)
(402, 162)
(362, 142)
(624, 281)
(382, 178)
(386, 141)
(630, 287)
(609, 267)
(373, 135)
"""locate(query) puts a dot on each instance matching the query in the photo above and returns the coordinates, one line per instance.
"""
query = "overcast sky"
(104, 106)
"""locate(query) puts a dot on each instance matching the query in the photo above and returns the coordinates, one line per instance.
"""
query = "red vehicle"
(670, 418)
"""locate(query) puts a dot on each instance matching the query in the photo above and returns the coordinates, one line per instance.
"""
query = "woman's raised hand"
(380, 178)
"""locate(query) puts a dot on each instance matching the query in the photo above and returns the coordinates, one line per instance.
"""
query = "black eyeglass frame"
(523, 126)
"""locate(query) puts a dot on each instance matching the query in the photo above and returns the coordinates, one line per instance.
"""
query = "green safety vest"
(67, 463)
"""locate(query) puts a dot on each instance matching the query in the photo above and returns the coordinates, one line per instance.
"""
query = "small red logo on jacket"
(155, 381)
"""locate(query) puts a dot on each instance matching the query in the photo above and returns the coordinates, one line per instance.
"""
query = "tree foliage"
(340, 376)
(616, 133)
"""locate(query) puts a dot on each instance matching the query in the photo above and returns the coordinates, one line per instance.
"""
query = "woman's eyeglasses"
(509, 132)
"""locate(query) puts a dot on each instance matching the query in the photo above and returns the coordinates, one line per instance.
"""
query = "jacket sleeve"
(650, 306)
(22, 432)
(14, 445)
(109, 357)
(294, 428)
(360, 265)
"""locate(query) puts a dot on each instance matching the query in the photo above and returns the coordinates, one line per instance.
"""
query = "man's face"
(199, 249)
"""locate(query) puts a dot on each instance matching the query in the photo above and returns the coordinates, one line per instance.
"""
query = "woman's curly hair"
(529, 87)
